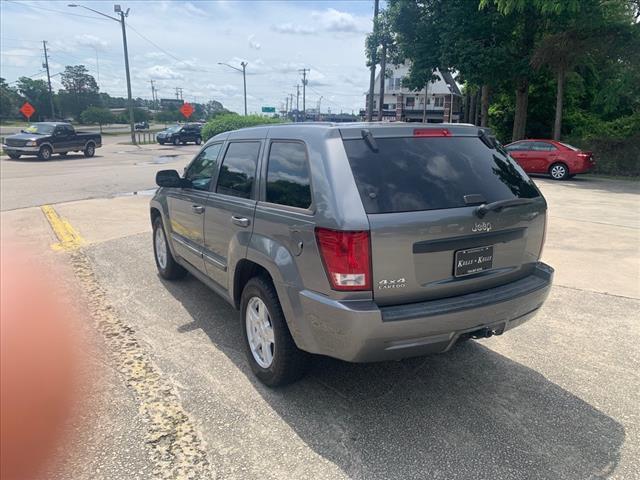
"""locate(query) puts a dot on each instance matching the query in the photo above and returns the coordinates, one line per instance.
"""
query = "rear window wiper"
(482, 210)
(369, 139)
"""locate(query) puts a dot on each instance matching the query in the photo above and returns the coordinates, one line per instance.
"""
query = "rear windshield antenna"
(367, 136)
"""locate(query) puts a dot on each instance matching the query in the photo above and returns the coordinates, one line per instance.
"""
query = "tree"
(36, 93)
(80, 90)
(591, 35)
(99, 115)
(9, 100)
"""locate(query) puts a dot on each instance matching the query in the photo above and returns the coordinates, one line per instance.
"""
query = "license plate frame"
(471, 261)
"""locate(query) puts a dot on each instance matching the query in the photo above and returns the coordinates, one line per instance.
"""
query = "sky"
(179, 44)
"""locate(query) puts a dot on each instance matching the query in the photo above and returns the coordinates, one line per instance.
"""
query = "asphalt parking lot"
(556, 398)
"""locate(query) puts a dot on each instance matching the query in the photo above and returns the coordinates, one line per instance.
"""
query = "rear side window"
(288, 175)
(238, 171)
(411, 174)
(542, 146)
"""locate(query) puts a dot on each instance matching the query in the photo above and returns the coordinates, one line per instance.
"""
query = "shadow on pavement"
(468, 413)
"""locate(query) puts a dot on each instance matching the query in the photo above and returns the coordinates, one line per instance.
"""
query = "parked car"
(181, 134)
(558, 159)
(46, 138)
(142, 126)
(363, 242)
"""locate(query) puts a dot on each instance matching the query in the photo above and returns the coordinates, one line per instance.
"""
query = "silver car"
(363, 242)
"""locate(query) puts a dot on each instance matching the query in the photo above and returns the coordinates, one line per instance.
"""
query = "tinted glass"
(288, 175)
(409, 174)
(238, 170)
(204, 167)
(517, 147)
(542, 146)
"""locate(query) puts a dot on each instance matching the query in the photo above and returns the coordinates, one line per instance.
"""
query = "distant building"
(444, 99)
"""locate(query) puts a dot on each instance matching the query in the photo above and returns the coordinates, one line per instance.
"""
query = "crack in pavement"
(176, 447)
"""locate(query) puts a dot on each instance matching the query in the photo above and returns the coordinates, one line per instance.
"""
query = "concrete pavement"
(556, 398)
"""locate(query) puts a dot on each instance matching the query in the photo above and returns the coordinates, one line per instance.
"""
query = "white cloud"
(87, 40)
(295, 29)
(329, 20)
(162, 72)
(193, 9)
(332, 20)
(253, 43)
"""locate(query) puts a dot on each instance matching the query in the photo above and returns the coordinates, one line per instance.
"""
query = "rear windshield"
(409, 174)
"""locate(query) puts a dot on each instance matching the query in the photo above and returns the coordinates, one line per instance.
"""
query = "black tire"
(559, 171)
(171, 270)
(198, 140)
(289, 363)
(176, 141)
(63, 154)
(161, 142)
(45, 153)
(89, 150)
(14, 156)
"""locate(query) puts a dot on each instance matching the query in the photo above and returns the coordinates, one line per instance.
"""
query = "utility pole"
(304, 92)
(297, 103)
(46, 65)
(153, 93)
(319, 106)
(118, 9)
(372, 78)
(286, 108)
(126, 66)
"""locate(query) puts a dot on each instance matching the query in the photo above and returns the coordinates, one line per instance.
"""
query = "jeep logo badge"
(482, 227)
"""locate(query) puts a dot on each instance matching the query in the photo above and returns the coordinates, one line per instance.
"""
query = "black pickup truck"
(46, 138)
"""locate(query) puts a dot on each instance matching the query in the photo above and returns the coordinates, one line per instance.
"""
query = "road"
(113, 128)
(555, 399)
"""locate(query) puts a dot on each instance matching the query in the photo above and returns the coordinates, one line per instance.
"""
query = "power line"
(52, 10)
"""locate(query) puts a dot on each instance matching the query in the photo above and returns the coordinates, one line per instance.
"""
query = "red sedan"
(558, 159)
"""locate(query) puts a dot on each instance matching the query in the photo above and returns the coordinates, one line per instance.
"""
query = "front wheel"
(90, 150)
(273, 355)
(198, 140)
(168, 268)
(176, 141)
(14, 156)
(161, 142)
(559, 171)
(45, 153)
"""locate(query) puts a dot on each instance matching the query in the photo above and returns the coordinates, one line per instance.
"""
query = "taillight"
(346, 257)
(431, 132)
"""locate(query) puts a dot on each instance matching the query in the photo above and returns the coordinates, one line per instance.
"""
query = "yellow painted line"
(69, 238)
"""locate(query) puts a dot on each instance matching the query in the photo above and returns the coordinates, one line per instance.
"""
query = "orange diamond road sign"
(186, 110)
(27, 110)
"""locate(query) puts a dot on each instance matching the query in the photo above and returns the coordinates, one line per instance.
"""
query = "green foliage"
(9, 101)
(97, 115)
(36, 92)
(80, 90)
(232, 121)
(168, 116)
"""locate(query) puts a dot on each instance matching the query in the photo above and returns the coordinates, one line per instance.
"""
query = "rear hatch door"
(450, 213)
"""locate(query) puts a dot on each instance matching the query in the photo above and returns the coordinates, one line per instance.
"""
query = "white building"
(402, 104)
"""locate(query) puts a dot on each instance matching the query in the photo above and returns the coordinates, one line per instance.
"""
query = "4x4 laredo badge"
(397, 283)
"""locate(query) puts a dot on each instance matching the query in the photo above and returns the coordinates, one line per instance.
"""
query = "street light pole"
(244, 79)
(118, 9)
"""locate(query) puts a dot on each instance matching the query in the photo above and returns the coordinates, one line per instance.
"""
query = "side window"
(288, 175)
(204, 167)
(516, 147)
(238, 171)
(544, 146)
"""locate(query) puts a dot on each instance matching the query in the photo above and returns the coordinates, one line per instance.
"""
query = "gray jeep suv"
(363, 242)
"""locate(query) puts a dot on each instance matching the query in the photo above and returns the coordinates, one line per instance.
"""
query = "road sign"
(171, 102)
(27, 110)
(186, 110)
(268, 109)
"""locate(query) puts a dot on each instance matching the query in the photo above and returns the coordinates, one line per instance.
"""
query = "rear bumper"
(360, 331)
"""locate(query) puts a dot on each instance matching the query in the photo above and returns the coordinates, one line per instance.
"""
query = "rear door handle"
(197, 209)
(240, 221)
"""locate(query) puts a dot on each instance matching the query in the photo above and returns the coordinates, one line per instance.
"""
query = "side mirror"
(171, 179)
